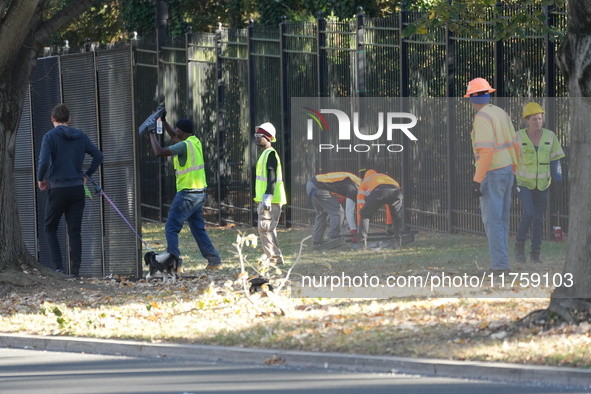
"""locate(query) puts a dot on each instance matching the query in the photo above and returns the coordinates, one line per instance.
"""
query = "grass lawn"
(210, 307)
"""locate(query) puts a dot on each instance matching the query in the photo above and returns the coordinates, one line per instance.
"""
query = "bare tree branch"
(63, 17)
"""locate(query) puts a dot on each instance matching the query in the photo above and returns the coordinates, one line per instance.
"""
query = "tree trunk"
(575, 62)
(13, 251)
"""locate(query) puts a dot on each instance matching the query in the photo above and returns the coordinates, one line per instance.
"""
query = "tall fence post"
(321, 58)
(161, 22)
(499, 57)
(285, 113)
(321, 65)
(219, 116)
(251, 114)
(550, 71)
(360, 54)
(404, 94)
(550, 74)
(190, 54)
(360, 79)
(450, 163)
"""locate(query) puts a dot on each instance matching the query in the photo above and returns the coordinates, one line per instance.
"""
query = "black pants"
(69, 201)
(382, 195)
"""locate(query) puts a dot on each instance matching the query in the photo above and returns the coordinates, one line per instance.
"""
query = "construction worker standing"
(326, 193)
(377, 190)
(496, 152)
(269, 192)
(539, 163)
(191, 189)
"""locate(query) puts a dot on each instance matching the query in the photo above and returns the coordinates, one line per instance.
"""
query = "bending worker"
(327, 192)
(377, 190)
(539, 164)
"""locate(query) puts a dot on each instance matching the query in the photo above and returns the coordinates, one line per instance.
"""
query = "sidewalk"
(504, 372)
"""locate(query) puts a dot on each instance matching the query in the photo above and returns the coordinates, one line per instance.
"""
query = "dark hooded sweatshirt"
(62, 157)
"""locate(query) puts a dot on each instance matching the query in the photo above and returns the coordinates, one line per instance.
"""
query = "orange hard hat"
(478, 85)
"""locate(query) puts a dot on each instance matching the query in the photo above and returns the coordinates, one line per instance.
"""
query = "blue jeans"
(495, 205)
(533, 203)
(187, 207)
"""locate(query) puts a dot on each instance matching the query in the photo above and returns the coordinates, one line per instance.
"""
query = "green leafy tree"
(200, 15)
(100, 22)
(467, 17)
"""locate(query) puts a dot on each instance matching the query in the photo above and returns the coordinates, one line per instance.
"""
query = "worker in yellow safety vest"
(377, 190)
(539, 164)
(326, 193)
(269, 192)
(191, 186)
(496, 153)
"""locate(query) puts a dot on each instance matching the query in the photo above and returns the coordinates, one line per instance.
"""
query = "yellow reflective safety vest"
(192, 174)
(332, 177)
(260, 186)
(494, 141)
(533, 170)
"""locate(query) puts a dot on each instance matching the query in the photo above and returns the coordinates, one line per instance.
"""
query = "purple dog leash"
(99, 190)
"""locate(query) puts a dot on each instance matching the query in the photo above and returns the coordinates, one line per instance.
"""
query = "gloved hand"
(163, 116)
(354, 236)
(267, 201)
(476, 189)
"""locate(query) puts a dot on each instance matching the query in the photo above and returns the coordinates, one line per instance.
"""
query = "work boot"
(535, 256)
(213, 265)
(520, 252)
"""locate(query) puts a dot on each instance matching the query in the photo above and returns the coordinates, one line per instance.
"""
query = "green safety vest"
(533, 170)
(260, 186)
(192, 174)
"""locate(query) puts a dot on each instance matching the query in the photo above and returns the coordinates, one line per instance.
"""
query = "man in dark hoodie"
(60, 170)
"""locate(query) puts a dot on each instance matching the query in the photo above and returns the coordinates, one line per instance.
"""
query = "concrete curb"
(504, 372)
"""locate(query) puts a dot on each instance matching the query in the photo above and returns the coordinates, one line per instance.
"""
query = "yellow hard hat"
(478, 85)
(532, 109)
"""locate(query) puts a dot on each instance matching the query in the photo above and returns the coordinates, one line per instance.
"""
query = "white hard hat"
(269, 130)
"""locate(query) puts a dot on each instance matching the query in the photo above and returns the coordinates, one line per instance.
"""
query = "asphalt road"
(37, 371)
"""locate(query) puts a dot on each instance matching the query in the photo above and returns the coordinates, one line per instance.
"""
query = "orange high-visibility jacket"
(371, 180)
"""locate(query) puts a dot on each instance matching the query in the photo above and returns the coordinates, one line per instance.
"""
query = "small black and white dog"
(165, 263)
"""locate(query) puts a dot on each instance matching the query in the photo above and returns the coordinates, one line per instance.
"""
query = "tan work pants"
(267, 227)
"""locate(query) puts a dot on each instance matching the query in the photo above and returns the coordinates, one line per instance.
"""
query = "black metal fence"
(97, 87)
(237, 79)
(232, 80)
